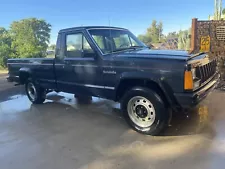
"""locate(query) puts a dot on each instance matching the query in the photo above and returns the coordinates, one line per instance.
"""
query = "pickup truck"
(111, 63)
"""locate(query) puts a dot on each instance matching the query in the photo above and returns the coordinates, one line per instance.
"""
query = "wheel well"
(127, 84)
(23, 77)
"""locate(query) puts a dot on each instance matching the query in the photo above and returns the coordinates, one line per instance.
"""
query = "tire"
(35, 93)
(145, 111)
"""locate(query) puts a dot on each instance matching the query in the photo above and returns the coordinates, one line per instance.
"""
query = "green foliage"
(223, 11)
(154, 33)
(25, 38)
(5, 46)
(160, 31)
(146, 39)
(52, 47)
(30, 37)
(184, 42)
(171, 35)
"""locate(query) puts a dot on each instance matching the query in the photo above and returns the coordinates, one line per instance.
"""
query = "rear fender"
(24, 74)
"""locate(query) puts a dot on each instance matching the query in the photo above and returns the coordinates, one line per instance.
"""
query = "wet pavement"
(62, 133)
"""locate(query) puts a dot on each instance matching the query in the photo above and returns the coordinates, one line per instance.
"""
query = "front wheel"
(145, 111)
(35, 93)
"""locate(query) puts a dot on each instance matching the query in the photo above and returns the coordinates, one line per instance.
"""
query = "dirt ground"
(3, 84)
(63, 134)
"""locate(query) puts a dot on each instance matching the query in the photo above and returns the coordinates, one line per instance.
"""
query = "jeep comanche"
(111, 63)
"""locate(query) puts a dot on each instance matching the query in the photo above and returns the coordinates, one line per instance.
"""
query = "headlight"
(193, 71)
(196, 83)
(196, 80)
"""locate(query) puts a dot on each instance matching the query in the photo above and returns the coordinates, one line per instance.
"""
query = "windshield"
(114, 40)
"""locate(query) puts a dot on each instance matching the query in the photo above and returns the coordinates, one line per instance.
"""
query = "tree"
(146, 39)
(154, 33)
(223, 11)
(171, 35)
(184, 41)
(30, 37)
(160, 30)
(5, 46)
(52, 47)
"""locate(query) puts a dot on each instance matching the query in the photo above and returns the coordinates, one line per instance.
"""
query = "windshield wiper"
(136, 47)
(131, 47)
(121, 49)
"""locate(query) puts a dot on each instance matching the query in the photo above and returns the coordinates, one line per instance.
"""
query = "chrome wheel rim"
(141, 111)
(31, 91)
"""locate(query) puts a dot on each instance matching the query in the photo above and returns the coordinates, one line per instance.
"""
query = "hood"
(160, 54)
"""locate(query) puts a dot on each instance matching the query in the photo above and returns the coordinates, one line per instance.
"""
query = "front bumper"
(190, 100)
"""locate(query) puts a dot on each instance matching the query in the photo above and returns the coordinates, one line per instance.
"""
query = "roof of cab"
(89, 27)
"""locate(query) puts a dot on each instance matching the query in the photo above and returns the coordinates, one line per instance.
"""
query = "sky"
(135, 15)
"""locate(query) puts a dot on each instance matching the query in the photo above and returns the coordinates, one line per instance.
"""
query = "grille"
(206, 71)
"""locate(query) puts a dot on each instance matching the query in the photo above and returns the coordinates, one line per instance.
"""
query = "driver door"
(79, 71)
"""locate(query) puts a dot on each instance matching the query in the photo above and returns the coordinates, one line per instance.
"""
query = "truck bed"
(42, 69)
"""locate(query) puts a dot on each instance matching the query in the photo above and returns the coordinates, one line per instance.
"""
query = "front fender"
(150, 78)
(136, 75)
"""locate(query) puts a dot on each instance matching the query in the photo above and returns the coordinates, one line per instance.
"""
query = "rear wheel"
(35, 93)
(145, 111)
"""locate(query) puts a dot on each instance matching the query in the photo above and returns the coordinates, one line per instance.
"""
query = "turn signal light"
(188, 80)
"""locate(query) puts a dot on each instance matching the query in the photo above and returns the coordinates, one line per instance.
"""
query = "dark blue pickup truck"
(111, 63)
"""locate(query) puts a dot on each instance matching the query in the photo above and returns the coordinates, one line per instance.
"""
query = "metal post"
(193, 34)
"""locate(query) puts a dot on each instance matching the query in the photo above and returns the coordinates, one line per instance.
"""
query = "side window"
(74, 45)
(78, 46)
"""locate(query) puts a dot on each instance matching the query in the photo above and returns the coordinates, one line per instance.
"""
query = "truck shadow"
(10, 93)
(193, 122)
(196, 121)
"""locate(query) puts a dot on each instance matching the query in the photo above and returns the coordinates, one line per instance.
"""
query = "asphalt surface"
(64, 134)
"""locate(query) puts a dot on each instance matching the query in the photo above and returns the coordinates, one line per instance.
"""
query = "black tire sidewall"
(160, 110)
(26, 88)
(40, 98)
